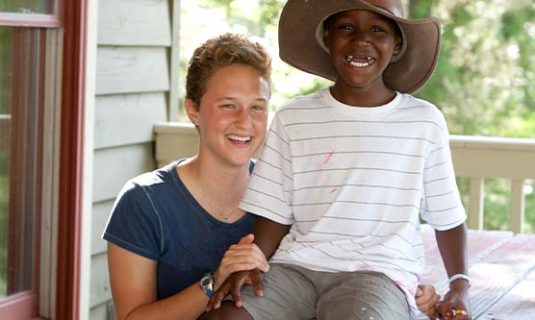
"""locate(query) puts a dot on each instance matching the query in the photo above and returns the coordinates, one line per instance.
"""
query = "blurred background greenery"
(484, 82)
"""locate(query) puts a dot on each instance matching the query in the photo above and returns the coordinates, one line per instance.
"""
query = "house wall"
(132, 92)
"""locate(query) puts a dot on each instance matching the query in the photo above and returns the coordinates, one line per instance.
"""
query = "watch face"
(207, 285)
(207, 281)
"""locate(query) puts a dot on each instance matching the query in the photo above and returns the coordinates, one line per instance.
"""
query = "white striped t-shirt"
(353, 182)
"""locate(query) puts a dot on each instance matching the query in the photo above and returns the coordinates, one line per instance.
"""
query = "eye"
(228, 106)
(344, 26)
(258, 107)
(377, 29)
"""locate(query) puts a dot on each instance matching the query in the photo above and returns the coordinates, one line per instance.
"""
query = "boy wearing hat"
(347, 173)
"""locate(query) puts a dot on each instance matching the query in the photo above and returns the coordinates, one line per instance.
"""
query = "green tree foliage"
(484, 79)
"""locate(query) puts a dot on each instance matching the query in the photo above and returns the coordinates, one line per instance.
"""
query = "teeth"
(357, 64)
(238, 138)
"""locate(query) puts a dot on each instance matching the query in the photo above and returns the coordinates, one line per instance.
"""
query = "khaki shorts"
(294, 293)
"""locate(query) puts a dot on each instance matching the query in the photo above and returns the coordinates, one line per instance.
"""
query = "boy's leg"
(288, 295)
(362, 295)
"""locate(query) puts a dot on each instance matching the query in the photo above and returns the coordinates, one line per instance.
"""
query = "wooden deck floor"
(502, 270)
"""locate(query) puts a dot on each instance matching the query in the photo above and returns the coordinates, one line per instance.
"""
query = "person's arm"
(452, 246)
(268, 235)
(133, 283)
(427, 299)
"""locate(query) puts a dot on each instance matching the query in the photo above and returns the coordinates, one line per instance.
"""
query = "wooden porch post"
(71, 160)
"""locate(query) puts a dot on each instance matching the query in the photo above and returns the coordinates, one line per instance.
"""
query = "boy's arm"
(268, 235)
(452, 246)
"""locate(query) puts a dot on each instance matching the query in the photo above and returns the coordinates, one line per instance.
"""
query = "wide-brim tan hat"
(301, 40)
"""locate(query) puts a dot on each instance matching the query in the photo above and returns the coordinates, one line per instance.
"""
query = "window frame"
(56, 292)
(35, 20)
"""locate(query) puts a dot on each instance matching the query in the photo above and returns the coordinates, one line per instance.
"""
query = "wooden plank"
(480, 243)
(99, 312)
(498, 262)
(517, 205)
(127, 119)
(517, 304)
(131, 70)
(134, 22)
(476, 203)
(100, 285)
(174, 92)
(114, 166)
(500, 271)
(101, 213)
(471, 161)
(174, 141)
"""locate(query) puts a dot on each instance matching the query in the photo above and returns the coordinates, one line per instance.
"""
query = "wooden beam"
(517, 205)
(476, 204)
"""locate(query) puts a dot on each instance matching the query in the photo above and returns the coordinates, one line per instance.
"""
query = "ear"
(327, 38)
(192, 110)
(397, 47)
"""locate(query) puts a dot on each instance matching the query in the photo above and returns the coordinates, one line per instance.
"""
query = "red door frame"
(71, 160)
(73, 15)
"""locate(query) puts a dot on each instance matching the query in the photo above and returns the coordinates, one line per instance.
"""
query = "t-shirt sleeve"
(269, 190)
(443, 208)
(133, 224)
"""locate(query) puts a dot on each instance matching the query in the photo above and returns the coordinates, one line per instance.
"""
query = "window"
(33, 74)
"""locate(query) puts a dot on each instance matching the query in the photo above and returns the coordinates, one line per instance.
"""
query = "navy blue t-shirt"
(156, 217)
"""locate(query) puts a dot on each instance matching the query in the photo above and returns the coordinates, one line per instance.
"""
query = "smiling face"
(361, 45)
(232, 115)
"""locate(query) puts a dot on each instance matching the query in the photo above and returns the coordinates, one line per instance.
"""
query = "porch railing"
(475, 158)
(478, 158)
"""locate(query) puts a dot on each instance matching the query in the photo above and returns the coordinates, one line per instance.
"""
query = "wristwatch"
(207, 284)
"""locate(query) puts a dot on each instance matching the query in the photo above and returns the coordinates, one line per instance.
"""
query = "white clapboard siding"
(113, 167)
(99, 312)
(127, 22)
(127, 119)
(101, 213)
(100, 286)
(131, 70)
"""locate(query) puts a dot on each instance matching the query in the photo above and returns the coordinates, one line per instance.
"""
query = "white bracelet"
(459, 276)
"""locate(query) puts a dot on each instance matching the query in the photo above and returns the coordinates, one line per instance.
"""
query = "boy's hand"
(233, 285)
(427, 300)
(456, 304)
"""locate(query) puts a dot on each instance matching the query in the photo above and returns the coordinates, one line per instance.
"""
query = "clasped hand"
(455, 305)
(240, 258)
(233, 285)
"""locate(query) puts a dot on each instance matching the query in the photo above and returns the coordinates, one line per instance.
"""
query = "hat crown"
(394, 7)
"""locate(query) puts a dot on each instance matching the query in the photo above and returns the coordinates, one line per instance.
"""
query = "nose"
(243, 118)
(359, 36)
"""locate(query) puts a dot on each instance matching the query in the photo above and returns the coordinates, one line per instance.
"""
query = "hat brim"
(299, 48)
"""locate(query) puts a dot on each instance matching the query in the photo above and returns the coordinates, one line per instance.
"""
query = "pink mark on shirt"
(333, 190)
(328, 157)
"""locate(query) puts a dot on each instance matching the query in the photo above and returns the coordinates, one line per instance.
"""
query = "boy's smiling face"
(361, 45)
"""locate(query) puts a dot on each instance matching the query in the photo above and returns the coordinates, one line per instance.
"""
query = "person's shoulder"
(292, 110)
(304, 101)
(153, 178)
(420, 108)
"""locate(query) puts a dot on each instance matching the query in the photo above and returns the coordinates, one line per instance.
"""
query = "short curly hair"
(219, 52)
